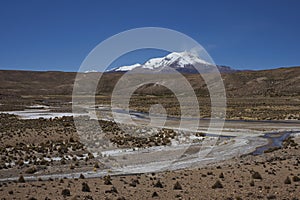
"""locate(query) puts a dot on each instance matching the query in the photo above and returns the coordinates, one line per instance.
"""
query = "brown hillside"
(275, 82)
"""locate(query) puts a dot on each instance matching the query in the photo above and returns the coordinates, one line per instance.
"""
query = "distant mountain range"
(184, 62)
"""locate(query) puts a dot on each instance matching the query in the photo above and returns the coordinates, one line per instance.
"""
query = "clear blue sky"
(58, 34)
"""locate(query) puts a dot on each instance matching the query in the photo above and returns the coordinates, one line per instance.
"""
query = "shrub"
(272, 196)
(112, 190)
(217, 184)
(81, 176)
(221, 175)
(158, 184)
(96, 165)
(21, 179)
(154, 194)
(256, 175)
(296, 179)
(132, 184)
(107, 180)
(177, 186)
(85, 187)
(66, 192)
(63, 161)
(31, 170)
(287, 180)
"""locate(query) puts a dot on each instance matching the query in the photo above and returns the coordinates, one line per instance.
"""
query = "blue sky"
(58, 34)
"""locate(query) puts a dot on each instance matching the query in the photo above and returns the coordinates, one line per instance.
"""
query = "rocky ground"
(274, 175)
(47, 146)
(31, 147)
(38, 146)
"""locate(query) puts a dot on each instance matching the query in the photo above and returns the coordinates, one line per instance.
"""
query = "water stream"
(275, 140)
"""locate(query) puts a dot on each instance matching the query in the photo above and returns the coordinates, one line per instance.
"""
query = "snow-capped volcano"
(181, 61)
(174, 59)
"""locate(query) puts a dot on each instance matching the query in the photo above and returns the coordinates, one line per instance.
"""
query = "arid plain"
(43, 157)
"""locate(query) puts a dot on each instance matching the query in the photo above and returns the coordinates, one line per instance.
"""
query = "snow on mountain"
(152, 63)
(181, 61)
(128, 68)
(90, 71)
(179, 58)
